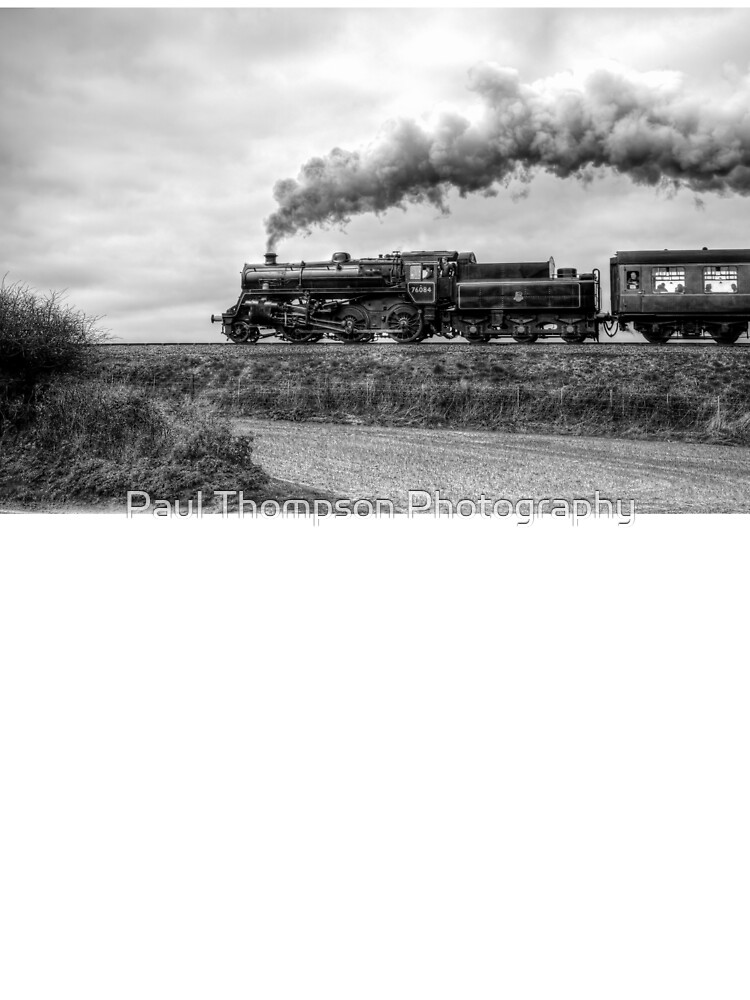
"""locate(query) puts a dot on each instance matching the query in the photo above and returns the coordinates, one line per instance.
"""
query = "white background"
(408, 759)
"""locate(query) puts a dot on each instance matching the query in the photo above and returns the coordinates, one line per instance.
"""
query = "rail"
(431, 345)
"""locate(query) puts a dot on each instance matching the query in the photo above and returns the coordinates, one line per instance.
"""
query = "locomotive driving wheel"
(526, 338)
(405, 324)
(299, 334)
(356, 324)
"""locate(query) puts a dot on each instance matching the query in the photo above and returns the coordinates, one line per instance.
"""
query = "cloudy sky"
(139, 148)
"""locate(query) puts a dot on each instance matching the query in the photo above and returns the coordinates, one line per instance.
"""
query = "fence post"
(192, 385)
(611, 399)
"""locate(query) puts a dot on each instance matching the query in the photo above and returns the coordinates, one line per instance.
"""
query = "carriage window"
(632, 280)
(720, 279)
(669, 279)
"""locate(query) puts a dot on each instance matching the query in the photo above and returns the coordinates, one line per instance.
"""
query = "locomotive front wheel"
(243, 333)
(405, 324)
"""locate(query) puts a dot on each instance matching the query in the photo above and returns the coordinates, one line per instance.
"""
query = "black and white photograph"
(493, 265)
(374, 502)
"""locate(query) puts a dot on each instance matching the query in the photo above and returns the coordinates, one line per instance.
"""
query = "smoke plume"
(648, 127)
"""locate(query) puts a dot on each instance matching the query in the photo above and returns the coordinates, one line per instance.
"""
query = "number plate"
(421, 291)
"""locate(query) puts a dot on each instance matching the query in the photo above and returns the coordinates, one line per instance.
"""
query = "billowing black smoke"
(651, 129)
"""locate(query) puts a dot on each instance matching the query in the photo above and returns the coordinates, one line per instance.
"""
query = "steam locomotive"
(408, 297)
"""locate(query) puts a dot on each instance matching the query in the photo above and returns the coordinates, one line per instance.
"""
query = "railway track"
(439, 345)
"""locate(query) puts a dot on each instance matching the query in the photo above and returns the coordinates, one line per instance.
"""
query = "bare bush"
(41, 334)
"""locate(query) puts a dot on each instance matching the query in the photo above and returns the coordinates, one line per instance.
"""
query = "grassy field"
(692, 391)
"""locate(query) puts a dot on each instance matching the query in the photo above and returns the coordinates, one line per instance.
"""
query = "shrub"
(40, 335)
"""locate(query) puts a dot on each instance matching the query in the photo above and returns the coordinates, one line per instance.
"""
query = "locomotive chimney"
(270, 259)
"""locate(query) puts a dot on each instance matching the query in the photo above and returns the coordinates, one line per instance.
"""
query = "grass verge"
(93, 442)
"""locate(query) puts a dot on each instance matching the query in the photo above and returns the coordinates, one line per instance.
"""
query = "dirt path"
(387, 462)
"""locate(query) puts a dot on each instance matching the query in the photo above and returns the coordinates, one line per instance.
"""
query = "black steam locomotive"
(408, 297)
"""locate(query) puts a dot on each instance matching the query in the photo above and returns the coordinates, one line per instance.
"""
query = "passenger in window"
(426, 272)
(633, 281)
(680, 288)
(661, 287)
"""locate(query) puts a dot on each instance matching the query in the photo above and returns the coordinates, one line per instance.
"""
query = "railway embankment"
(686, 391)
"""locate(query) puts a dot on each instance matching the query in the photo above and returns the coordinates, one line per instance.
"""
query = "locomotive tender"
(408, 297)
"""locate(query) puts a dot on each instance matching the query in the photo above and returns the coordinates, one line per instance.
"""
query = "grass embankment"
(67, 436)
(93, 442)
(688, 391)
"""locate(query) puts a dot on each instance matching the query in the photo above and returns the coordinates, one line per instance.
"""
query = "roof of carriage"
(665, 257)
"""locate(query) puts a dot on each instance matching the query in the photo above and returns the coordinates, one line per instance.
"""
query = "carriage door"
(631, 288)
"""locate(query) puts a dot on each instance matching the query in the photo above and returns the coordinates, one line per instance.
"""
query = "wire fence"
(463, 400)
